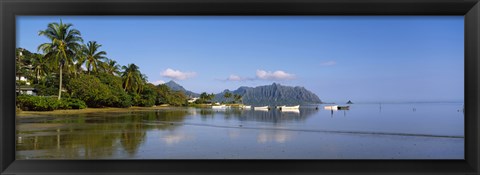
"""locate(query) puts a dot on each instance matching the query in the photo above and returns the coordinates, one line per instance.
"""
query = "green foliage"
(42, 103)
(43, 90)
(102, 85)
(177, 98)
(166, 96)
(133, 80)
(71, 103)
(65, 41)
(205, 98)
(37, 103)
(119, 98)
(237, 98)
(99, 92)
(148, 96)
(91, 90)
(93, 56)
(162, 93)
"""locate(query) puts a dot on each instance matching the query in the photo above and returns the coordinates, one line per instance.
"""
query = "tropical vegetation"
(68, 74)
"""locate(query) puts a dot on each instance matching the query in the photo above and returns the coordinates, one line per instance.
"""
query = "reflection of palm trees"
(93, 135)
(132, 136)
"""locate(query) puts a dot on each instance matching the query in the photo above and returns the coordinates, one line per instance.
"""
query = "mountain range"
(274, 94)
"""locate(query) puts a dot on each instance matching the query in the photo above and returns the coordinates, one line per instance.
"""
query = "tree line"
(66, 67)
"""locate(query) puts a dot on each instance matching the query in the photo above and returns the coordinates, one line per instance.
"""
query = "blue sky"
(339, 58)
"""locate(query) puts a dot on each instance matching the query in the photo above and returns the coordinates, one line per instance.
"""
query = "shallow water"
(366, 131)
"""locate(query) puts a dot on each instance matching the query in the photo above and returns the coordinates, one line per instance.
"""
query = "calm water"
(366, 131)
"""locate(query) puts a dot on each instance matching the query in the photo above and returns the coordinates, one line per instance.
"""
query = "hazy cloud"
(238, 78)
(328, 63)
(234, 78)
(276, 75)
(177, 74)
(158, 82)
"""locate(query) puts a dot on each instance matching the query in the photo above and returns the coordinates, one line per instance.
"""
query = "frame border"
(470, 9)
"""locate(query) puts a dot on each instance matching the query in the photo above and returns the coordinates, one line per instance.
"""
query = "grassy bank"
(88, 110)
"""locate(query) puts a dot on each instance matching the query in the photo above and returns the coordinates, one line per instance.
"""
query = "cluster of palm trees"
(236, 97)
(204, 97)
(66, 53)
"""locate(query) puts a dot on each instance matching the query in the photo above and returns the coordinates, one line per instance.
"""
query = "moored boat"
(291, 110)
(219, 107)
(290, 107)
(246, 107)
(261, 108)
(334, 107)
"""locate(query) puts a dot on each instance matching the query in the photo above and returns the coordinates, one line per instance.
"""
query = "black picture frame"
(10, 8)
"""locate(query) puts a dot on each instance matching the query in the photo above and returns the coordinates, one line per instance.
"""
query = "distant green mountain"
(176, 87)
(274, 94)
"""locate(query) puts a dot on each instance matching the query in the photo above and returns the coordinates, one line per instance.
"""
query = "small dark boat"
(343, 107)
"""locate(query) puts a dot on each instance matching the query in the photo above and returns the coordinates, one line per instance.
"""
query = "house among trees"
(23, 86)
(26, 90)
(191, 100)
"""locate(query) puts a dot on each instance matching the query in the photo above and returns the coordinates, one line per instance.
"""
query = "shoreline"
(99, 110)
(89, 110)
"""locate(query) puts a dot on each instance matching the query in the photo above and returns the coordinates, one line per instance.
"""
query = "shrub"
(89, 89)
(123, 101)
(37, 103)
(72, 103)
(105, 90)
(45, 90)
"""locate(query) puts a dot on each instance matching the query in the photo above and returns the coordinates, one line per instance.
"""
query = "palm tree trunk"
(37, 76)
(60, 86)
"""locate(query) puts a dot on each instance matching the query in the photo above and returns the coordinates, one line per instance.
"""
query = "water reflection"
(172, 138)
(273, 136)
(277, 116)
(90, 136)
(273, 116)
(206, 133)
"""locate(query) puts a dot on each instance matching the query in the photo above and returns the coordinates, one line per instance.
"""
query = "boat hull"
(261, 108)
(290, 107)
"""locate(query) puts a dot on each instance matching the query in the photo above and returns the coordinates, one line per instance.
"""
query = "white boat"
(334, 107)
(261, 108)
(291, 110)
(290, 107)
(219, 107)
(247, 107)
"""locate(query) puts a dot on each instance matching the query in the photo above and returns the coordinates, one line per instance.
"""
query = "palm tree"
(61, 50)
(111, 67)
(227, 95)
(237, 98)
(40, 66)
(211, 97)
(132, 78)
(93, 57)
(80, 60)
